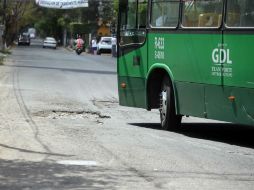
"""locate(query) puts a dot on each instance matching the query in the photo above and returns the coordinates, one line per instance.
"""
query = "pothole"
(105, 103)
(95, 116)
(84, 113)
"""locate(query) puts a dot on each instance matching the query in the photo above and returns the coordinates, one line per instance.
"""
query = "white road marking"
(77, 162)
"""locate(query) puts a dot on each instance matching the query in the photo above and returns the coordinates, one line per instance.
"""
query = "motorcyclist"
(79, 44)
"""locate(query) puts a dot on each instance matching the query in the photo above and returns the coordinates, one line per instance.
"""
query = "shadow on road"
(39, 46)
(42, 175)
(65, 69)
(33, 152)
(234, 134)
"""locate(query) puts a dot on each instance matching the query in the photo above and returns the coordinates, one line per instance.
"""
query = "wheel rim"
(163, 105)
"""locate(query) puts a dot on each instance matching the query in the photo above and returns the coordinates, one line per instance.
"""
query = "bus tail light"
(231, 98)
(123, 85)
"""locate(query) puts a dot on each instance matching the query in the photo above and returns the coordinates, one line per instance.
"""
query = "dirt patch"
(73, 114)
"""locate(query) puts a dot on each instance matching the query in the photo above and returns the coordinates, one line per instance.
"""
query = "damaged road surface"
(61, 128)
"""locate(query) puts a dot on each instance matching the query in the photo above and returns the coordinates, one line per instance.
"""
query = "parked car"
(49, 42)
(104, 45)
(24, 39)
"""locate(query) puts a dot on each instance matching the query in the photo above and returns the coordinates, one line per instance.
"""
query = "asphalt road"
(61, 128)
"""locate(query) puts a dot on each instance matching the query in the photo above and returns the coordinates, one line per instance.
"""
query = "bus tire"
(169, 120)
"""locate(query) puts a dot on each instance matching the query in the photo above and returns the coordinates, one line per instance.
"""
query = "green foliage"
(28, 17)
(116, 7)
(77, 28)
(80, 28)
(63, 22)
(5, 51)
(108, 11)
(50, 22)
(3, 54)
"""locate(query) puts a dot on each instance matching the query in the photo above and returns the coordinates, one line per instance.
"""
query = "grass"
(5, 51)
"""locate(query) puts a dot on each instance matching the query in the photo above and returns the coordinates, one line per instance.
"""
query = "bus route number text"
(159, 46)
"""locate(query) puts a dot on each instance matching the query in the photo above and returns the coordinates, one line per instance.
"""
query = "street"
(62, 128)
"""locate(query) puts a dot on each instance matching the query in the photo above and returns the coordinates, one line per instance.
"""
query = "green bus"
(187, 57)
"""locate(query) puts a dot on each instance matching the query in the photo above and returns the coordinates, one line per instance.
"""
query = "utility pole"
(2, 27)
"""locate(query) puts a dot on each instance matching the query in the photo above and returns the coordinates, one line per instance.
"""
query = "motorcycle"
(79, 45)
(79, 50)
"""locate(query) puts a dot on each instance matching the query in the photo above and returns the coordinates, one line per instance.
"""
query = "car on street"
(32, 35)
(49, 42)
(32, 32)
(104, 45)
(24, 39)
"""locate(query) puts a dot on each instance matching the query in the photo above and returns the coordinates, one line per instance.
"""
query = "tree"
(22, 14)
(13, 17)
(48, 22)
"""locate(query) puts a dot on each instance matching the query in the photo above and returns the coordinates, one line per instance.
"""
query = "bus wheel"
(169, 120)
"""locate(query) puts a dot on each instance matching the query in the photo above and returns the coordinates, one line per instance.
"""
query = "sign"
(62, 4)
(222, 63)
(159, 47)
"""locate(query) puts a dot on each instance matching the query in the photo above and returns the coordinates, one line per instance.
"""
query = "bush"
(3, 54)
(5, 51)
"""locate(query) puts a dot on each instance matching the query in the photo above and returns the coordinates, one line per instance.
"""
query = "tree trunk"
(1, 37)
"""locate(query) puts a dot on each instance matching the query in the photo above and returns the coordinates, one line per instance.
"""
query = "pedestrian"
(94, 46)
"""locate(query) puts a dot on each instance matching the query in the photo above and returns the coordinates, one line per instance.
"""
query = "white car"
(49, 42)
(104, 45)
(32, 35)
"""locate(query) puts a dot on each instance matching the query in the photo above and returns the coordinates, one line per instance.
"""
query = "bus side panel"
(240, 52)
(132, 70)
(220, 107)
(237, 80)
(190, 99)
(134, 95)
(189, 56)
(240, 60)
